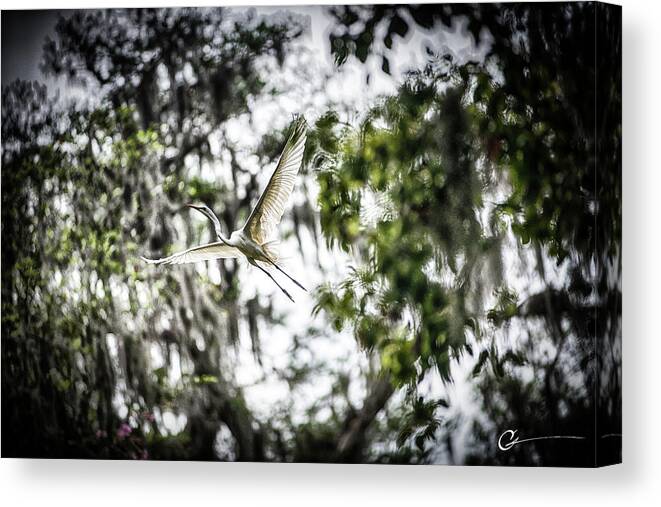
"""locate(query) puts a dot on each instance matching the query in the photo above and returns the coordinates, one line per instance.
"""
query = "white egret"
(255, 240)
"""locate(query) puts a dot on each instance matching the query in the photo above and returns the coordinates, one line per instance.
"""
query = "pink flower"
(101, 434)
(123, 431)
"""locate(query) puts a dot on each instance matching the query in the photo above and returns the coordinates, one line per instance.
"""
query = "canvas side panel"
(608, 235)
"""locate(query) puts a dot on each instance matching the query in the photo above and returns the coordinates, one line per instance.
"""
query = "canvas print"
(378, 234)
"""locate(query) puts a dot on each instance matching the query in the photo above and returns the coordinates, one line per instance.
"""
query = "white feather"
(268, 212)
(210, 251)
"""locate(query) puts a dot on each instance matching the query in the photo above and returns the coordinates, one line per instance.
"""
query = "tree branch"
(351, 442)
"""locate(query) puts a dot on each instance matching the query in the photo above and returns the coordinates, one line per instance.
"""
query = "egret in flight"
(255, 240)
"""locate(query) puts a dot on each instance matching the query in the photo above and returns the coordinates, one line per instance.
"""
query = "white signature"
(512, 439)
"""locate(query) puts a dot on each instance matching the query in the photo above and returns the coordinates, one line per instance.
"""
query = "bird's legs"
(281, 271)
(274, 281)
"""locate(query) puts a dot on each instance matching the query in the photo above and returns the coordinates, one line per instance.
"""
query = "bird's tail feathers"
(272, 250)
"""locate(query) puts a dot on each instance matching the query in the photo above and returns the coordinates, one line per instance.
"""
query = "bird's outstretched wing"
(267, 214)
(210, 251)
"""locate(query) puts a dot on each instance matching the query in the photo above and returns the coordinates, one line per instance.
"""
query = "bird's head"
(204, 209)
(207, 212)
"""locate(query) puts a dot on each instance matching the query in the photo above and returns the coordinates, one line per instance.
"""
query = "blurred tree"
(101, 350)
(403, 192)
(85, 191)
(480, 204)
(545, 110)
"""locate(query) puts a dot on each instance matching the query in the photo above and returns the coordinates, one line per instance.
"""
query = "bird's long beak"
(196, 208)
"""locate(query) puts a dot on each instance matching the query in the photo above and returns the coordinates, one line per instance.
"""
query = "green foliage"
(403, 193)
(531, 119)
(421, 424)
(85, 192)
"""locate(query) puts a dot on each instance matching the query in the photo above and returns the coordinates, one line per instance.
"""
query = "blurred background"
(456, 221)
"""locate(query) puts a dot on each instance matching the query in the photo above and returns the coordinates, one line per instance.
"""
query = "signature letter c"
(510, 442)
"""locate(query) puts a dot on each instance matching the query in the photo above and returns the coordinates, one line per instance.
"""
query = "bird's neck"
(222, 238)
